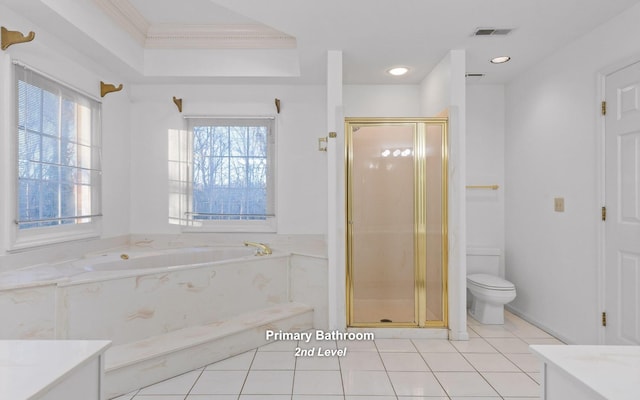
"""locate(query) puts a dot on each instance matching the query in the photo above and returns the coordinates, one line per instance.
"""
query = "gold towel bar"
(492, 187)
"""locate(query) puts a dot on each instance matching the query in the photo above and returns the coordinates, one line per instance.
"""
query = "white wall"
(485, 166)
(116, 159)
(48, 54)
(435, 89)
(381, 100)
(551, 150)
(301, 178)
(443, 93)
(336, 204)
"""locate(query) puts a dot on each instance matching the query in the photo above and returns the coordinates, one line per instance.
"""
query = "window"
(58, 159)
(231, 174)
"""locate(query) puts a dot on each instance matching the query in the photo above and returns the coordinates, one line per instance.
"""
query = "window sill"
(38, 237)
(268, 226)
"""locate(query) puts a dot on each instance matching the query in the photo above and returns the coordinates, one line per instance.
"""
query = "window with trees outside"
(58, 156)
(232, 173)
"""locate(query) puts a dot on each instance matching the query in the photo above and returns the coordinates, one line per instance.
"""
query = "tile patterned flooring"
(494, 364)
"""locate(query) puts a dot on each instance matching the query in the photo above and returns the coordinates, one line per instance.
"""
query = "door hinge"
(604, 213)
(604, 108)
(604, 319)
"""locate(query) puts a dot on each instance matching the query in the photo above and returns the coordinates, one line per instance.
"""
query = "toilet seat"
(491, 282)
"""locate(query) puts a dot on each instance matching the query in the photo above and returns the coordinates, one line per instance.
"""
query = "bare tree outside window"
(231, 171)
(58, 167)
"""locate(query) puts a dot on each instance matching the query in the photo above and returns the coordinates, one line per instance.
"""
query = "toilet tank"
(483, 260)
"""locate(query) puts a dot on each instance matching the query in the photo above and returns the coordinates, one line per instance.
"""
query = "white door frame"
(600, 176)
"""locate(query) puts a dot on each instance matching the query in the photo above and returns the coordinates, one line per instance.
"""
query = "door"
(396, 228)
(622, 199)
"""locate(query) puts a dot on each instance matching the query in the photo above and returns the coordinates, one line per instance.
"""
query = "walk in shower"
(396, 222)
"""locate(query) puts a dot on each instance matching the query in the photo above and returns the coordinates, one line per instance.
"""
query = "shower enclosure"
(396, 222)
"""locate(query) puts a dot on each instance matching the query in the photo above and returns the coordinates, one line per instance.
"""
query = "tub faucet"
(263, 249)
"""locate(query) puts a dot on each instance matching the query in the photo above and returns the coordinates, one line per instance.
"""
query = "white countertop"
(611, 371)
(31, 367)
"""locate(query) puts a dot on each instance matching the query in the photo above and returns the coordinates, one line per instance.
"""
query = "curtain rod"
(31, 221)
(56, 80)
(230, 116)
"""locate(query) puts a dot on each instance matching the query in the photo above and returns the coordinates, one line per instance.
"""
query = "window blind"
(59, 153)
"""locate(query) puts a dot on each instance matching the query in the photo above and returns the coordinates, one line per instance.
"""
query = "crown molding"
(186, 36)
(220, 36)
(127, 16)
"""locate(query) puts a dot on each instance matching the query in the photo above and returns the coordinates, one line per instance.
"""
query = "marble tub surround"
(33, 292)
(51, 369)
(119, 260)
(58, 253)
(154, 359)
(310, 245)
(308, 285)
(46, 300)
(29, 312)
(173, 320)
(142, 303)
(167, 310)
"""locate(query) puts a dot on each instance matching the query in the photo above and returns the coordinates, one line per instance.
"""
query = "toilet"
(488, 292)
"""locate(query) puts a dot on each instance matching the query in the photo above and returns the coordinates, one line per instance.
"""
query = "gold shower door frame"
(420, 221)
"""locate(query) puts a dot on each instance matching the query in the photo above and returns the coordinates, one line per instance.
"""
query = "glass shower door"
(382, 224)
(396, 222)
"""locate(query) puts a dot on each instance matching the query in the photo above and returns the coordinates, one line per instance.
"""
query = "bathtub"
(117, 261)
(138, 292)
(135, 259)
(128, 295)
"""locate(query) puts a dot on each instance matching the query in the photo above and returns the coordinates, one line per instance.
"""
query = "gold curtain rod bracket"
(492, 187)
(14, 37)
(178, 103)
(106, 88)
(277, 101)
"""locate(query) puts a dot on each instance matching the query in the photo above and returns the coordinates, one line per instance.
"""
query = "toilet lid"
(490, 282)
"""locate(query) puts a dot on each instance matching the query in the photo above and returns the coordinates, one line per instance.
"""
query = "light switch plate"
(558, 204)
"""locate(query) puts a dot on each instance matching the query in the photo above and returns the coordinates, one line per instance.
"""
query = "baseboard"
(538, 324)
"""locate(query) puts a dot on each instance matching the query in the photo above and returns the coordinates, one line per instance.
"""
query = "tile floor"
(494, 364)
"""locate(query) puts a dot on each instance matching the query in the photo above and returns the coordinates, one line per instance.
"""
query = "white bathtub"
(131, 295)
(126, 259)
(138, 292)
(134, 259)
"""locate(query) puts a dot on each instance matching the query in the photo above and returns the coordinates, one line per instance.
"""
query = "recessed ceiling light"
(398, 71)
(500, 60)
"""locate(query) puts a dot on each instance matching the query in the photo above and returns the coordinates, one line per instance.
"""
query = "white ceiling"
(372, 34)
(376, 34)
(188, 11)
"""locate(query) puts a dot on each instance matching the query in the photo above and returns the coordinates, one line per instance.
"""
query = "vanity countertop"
(610, 371)
(29, 368)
